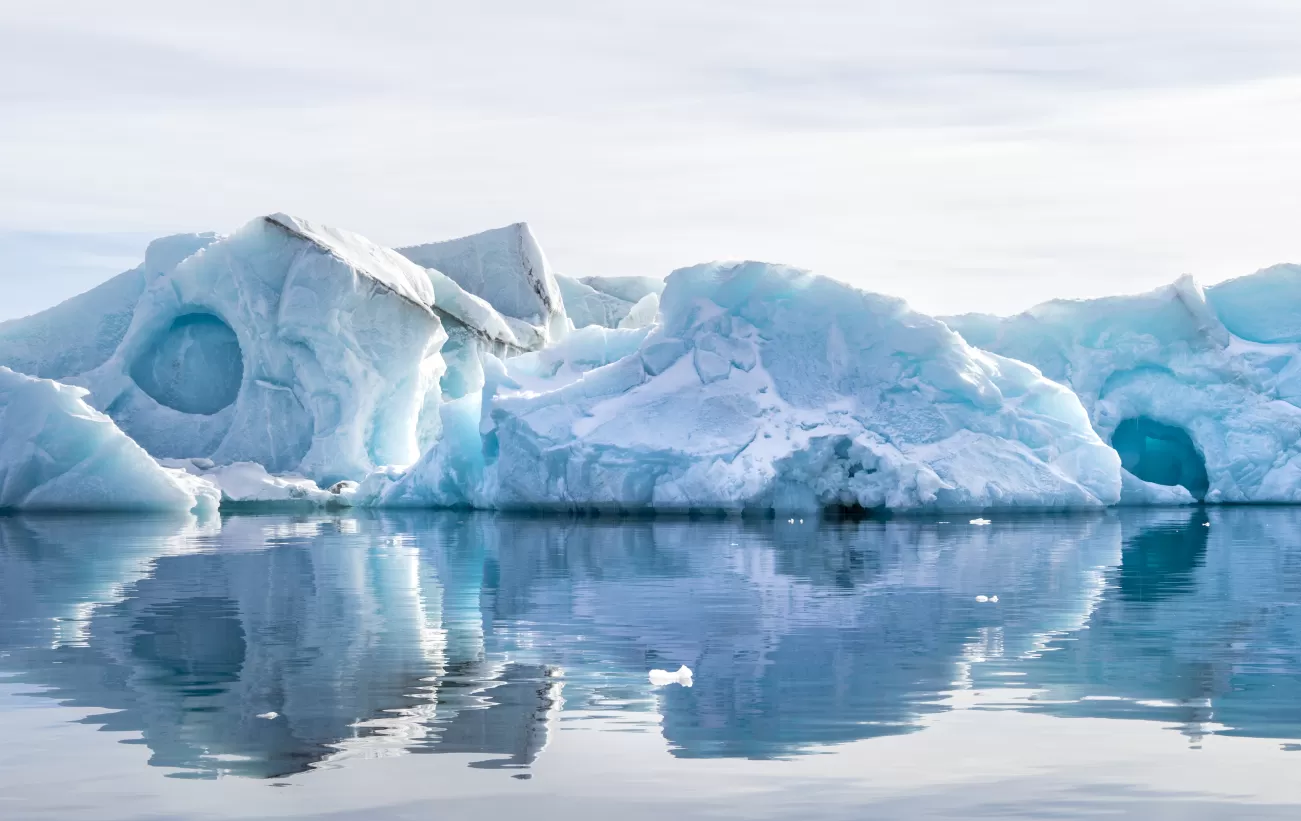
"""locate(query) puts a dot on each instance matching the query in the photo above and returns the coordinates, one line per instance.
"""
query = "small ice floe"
(979, 522)
(269, 716)
(990, 599)
(660, 678)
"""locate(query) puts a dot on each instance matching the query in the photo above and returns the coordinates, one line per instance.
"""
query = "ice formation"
(611, 302)
(662, 678)
(504, 267)
(287, 344)
(767, 388)
(1199, 392)
(58, 453)
(292, 364)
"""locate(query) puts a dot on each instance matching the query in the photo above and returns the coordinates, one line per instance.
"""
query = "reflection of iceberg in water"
(454, 633)
(1198, 627)
(332, 625)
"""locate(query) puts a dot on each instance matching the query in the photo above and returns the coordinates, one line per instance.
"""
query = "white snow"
(58, 453)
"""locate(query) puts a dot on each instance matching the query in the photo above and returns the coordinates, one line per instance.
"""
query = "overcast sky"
(963, 155)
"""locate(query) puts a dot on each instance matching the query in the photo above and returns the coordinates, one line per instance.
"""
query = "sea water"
(1133, 664)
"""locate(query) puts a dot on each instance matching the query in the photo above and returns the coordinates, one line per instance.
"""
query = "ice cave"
(1161, 454)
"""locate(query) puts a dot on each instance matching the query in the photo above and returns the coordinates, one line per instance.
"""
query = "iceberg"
(294, 364)
(766, 388)
(288, 344)
(1198, 391)
(58, 453)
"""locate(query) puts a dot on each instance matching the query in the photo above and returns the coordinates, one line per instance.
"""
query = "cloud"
(979, 156)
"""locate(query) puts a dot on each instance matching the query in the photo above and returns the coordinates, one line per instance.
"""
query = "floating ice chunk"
(58, 453)
(661, 678)
(980, 522)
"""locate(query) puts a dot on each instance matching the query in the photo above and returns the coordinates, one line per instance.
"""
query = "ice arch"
(195, 366)
(1161, 454)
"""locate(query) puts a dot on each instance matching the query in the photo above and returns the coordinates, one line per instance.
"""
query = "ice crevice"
(293, 364)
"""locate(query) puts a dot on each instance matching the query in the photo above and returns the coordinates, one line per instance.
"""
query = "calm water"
(1138, 664)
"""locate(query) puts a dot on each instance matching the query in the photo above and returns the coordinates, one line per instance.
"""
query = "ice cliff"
(295, 364)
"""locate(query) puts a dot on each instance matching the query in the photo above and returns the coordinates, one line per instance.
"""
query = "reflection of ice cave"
(1161, 454)
(195, 366)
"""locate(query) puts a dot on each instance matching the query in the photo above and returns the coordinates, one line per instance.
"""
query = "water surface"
(1136, 664)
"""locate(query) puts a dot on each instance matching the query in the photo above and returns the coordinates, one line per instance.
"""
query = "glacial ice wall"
(1196, 409)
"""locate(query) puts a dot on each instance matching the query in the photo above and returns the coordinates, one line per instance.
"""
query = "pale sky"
(963, 155)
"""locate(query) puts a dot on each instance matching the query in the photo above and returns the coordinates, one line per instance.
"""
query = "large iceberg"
(58, 453)
(1199, 392)
(766, 388)
(295, 364)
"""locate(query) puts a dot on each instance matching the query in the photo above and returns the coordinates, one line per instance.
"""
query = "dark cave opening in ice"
(1161, 454)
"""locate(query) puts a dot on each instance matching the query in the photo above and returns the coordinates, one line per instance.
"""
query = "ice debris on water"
(296, 364)
(661, 678)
